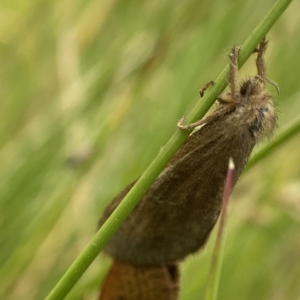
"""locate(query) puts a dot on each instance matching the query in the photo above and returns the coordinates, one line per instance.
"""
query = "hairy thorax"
(253, 108)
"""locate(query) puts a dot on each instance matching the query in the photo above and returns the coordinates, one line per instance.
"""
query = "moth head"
(248, 88)
(256, 87)
(252, 87)
(251, 91)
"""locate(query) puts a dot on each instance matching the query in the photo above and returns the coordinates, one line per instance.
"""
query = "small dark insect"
(207, 86)
(178, 212)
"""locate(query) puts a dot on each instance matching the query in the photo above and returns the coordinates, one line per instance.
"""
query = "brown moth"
(176, 215)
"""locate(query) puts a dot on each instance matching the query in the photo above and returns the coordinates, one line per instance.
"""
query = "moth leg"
(233, 70)
(233, 74)
(226, 99)
(182, 122)
(183, 126)
(207, 86)
(260, 63)
(261, 66)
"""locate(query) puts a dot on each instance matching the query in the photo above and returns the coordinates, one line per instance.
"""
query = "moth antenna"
(270, 82)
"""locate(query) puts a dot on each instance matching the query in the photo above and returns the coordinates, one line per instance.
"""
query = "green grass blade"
(217, 255)
(280, 139)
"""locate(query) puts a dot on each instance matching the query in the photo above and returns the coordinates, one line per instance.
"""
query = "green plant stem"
(98, 242)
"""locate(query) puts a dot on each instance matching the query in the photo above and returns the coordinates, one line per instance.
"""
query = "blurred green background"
(90, 91)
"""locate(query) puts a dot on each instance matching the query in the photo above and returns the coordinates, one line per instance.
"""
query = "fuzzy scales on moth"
(176, 215)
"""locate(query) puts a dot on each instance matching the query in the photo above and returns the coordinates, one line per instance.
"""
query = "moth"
(176, 215)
